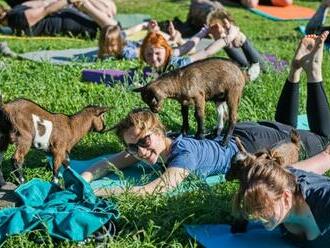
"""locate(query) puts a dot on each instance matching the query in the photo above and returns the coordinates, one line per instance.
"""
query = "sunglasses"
(142, 142)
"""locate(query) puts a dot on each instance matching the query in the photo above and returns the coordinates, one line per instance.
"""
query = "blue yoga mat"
(302, 29)
(214, 236)
(136, 175)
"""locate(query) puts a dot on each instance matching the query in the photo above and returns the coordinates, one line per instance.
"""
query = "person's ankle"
(294, 75)
(314, 77)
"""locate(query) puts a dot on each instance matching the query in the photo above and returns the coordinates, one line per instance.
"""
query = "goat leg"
(239, 226)
(58, 160)
(18, 170)
(232, 102)
(22, 148)
(2, 179)
(199, 115)
(185, 120)
(222, 110)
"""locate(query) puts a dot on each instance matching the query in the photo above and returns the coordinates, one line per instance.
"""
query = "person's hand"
(239, 40)
(153, 26)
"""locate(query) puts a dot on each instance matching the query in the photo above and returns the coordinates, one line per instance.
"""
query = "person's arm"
(34, 15)
(120, 160)
(217, 45)
(170, 179)
(191, 43)
(136, 28)
(319, 163)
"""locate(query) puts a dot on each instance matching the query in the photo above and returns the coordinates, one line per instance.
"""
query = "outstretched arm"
(120, 160)
(191, 43)
(318, 164)
(217, 45)
(170, 179)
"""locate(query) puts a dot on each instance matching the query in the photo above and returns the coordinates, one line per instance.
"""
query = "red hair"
(157, 40)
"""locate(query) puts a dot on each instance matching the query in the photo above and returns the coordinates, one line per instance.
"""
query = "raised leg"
(185, 119)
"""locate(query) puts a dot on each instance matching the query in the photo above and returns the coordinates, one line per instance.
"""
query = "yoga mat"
(292, 12)
(214, 236)
(302, 29)
(136, 175)
(130, 20)
(79, 55)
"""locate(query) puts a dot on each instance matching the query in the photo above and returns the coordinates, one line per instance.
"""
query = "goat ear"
(139, 89)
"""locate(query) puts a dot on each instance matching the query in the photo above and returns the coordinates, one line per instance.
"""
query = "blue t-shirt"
(129, 50)
(315, 190)
(179, 61)
(203, 157)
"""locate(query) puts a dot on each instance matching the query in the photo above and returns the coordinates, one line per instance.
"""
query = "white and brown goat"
(25, 124)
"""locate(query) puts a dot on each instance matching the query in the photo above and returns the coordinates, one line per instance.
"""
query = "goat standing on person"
(25, 124)
(214, 79)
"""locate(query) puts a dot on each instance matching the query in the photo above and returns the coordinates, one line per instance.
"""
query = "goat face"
(150, 96)
(98, 121)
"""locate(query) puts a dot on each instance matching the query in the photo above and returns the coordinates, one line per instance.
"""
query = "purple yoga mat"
(108, 77)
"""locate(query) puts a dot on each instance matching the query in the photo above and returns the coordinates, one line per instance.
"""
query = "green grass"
(154, 221)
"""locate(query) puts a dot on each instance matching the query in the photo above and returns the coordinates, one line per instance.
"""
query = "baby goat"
(25, 124)
(215, 79)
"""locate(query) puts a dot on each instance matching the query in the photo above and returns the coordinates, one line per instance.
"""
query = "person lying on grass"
(145, 139)
(297, 197)
(157, 53)
(113, 40)
(51, 17)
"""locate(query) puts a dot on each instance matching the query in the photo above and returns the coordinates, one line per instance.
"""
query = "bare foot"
(309, 56)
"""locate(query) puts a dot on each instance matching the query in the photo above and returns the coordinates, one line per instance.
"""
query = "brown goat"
(214, 79)
(25, 124)
(282, 153)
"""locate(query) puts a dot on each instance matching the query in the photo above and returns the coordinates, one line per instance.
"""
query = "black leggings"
(256, 136)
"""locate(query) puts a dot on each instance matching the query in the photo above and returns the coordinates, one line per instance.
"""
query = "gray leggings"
(244, 56)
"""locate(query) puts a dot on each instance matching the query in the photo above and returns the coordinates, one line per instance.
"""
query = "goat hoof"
(55, 180)
(21, 180)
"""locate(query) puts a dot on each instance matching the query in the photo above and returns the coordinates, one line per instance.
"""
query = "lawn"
(153, 221)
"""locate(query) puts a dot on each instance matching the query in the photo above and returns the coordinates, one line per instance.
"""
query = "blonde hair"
(261, 186)
(142, 119)
(218, 16)
(110, 34)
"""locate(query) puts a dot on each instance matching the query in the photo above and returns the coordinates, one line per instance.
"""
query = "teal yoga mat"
(136, 175)
(214, 236)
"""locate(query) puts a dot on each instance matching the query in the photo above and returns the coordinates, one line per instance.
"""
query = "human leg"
(101, 17)
(34, 15)
(288, 103)
(318, 112)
